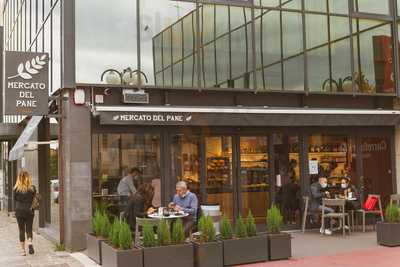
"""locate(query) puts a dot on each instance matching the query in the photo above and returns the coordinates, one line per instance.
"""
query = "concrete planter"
(120, 258)
(208, 254)
(388, 234)
(168, 256)
(93, 247)
(280, 246)
(245, 250)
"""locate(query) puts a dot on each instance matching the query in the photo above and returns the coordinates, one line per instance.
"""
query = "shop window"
(372, 6)
(318, 70)
(339, 6)
(315, 5)
(294, 73)
(292, 33)
(316, 24)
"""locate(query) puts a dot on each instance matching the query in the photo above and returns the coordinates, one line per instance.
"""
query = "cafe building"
(249, 102)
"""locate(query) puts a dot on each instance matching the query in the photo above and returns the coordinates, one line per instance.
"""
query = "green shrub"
(163, 234)
(96, 223)
(125, 236)
(178, 233)
(104, 226)
(274, 220)
(207, 230)
(251, 225)
(240, 229)
(149, 239)
(226, 229)
(114, 233)
(392, 214)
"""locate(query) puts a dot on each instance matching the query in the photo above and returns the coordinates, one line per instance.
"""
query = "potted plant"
(243, 247)
(388, 232)
(166, 251)
(280, 244)
(100, 231)
(208, 252)
(118, 251)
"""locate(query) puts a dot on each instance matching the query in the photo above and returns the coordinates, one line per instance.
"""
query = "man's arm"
(192, 209)
(316, 193)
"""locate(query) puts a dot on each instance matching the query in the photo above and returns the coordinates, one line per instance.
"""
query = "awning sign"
(26, 83)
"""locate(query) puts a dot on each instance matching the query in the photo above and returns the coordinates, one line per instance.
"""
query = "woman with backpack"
(25, 198)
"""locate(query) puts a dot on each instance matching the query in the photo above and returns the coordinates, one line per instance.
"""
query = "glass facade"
(320, 46)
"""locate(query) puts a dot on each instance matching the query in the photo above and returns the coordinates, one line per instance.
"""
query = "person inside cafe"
(187, 202)
(128, 185)
(319, 190)
(139, 204)
(350, 192)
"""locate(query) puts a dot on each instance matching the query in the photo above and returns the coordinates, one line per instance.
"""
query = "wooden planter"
(280, 246)
(93, 247)
(245, 250)
(208, 254)
(168, 256)
(388, 234)
(121, 258)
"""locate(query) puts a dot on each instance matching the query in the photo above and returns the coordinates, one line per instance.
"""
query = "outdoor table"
(170, 217)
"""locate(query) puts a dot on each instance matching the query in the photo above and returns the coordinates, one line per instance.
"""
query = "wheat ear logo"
(30, 68)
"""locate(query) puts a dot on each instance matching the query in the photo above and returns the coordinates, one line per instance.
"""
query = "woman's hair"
(24, 182)
(147, 192)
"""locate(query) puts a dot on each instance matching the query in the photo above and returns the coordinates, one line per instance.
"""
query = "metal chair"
(214, 211)
(341, 215)
(307, 212)
(395, 199)
(140, 222)
(375, 212)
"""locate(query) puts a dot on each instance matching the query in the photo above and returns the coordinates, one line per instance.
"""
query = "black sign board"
(26, 83)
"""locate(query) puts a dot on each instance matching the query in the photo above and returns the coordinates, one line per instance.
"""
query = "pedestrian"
(24, 194)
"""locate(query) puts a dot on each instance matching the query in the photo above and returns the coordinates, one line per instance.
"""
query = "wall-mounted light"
(79, 97)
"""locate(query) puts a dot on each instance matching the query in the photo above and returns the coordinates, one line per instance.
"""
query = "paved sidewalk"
(44, 256)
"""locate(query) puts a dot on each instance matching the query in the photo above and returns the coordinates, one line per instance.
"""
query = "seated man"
(318, 192)
(185, 201)
(350, 191)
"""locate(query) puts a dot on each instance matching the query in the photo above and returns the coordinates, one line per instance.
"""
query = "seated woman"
(140, 204)
(350, 191)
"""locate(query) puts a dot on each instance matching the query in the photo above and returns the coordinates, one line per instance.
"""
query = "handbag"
(370, 203)
(36, 200)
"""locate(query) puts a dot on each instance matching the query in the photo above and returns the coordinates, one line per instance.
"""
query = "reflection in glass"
(339, 6)
(315, 5)
(294, 73)
(341, 66)
(317, 30)
(373, 58)
(292, 4)
(273, 77)
(372, 6)
(292, 33)
(271, 42)
(219, 173)
(339, 27)
(254, 176)
(318, 69)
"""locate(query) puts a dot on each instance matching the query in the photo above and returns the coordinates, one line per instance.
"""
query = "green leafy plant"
(59, 247)
(226, 229)
(97, 223)
(163, 233)
(207, 230)
(102, 206)
(178, 233)
(251, 225)
(240, 229)
(274, 220)
(114, 233)
(392, 214)
(149, 239)
(125, 236)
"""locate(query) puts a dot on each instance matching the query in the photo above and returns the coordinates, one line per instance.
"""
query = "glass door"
(254, 177)
(219, 182)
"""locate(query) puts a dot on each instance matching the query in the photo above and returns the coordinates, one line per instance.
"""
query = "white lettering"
(27, 86)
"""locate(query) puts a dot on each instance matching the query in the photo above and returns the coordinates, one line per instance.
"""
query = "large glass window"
(106, 40)
(372, 6)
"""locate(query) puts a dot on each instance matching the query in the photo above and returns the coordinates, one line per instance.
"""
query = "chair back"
(395, 199)
(379, 202)
(335, 203)
(140, 222)
(214, 211)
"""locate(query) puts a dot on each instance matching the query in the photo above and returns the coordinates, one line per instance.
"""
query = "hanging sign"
(26, 83)
(313, 166)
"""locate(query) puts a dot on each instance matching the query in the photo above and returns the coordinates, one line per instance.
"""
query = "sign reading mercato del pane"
(26, 83)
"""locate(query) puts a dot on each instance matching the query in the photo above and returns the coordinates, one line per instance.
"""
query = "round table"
(170, 217)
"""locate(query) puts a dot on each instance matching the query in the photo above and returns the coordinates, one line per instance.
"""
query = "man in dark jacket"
(319, 191)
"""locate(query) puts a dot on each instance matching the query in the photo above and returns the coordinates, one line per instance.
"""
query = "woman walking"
(24, 194)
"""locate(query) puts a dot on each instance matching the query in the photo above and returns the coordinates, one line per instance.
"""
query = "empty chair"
(395, 199)
(140, 222)
(370, 210)
(341, 214)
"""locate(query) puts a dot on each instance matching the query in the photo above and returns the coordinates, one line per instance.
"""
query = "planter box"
(93, 247)
(280, 246)
(168, 256)
(245, 250)
(388, 234)
(208, 254)
(121, 258)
